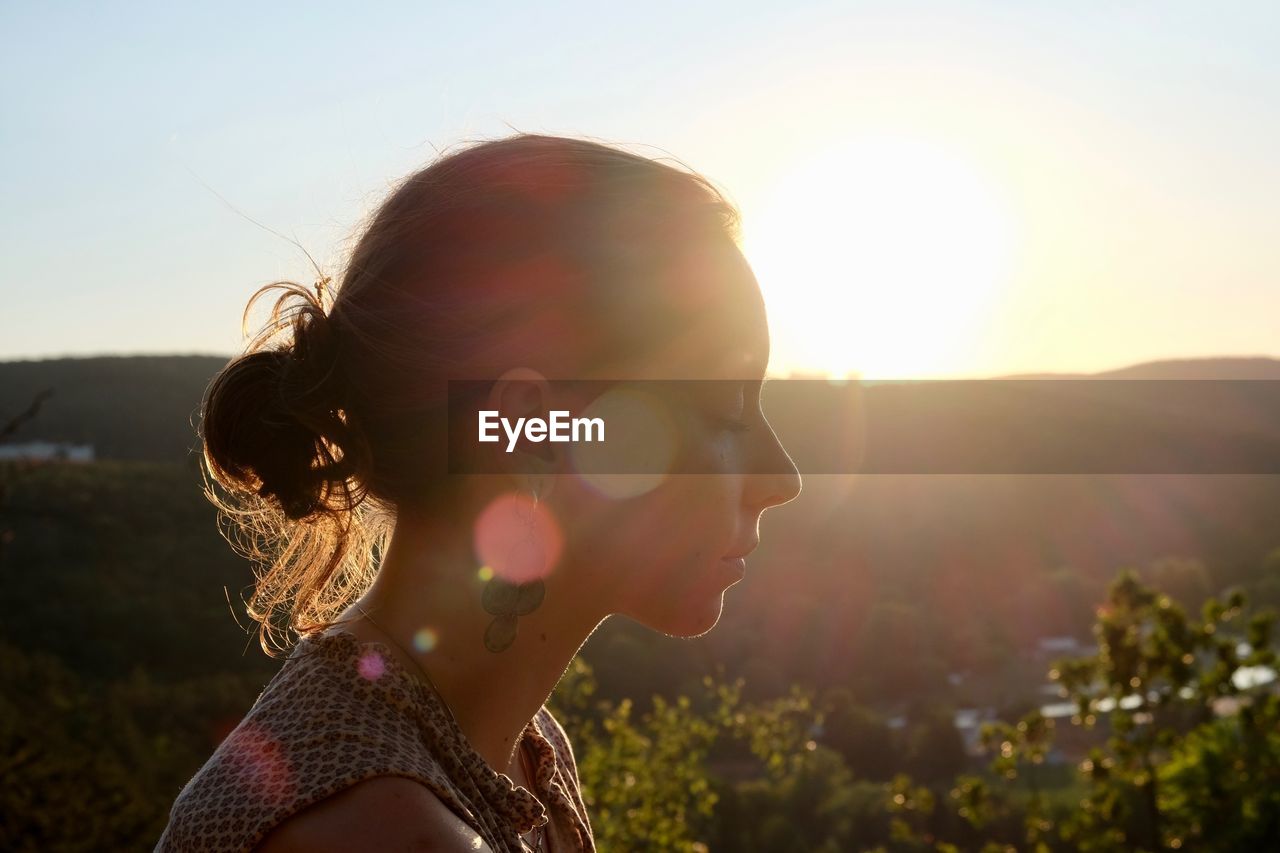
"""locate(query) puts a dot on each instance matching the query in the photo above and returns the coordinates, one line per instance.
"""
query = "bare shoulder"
(382, 813)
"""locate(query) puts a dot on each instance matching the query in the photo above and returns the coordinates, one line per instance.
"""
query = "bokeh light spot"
(517, 538)
(371, 665)
(639, 447)
(260, 763)
(424, 640)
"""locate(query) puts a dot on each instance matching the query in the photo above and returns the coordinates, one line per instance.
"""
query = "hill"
(1255, 367)
(137, 408)
(145, 408)
(907, 590)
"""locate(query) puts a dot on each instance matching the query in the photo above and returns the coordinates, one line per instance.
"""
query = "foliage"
(89, 768)
(121, 666)
(991, 805)
(1162, 675)
(861, 736)
(1191, 758)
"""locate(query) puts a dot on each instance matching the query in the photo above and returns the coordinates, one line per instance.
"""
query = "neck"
(428, 580)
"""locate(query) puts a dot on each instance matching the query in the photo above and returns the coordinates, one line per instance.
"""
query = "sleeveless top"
(341, 711)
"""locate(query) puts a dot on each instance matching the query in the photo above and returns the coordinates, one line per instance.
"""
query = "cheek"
(670, 533)
(683, 522)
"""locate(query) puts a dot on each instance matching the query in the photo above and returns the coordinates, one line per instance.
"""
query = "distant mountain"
(1204, 416)
(147, 407)
(141, 408)
(1257, 367)
(955, 571)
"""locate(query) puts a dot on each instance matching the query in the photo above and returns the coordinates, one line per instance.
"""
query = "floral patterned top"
(341, 711)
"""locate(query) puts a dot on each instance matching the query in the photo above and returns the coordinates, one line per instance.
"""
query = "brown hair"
(531, 249)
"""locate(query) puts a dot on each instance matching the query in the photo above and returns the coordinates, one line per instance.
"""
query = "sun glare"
(879, 257)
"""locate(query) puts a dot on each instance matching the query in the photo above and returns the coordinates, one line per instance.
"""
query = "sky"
(928, 189)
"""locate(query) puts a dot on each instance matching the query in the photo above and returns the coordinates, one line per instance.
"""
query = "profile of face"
(665, 555)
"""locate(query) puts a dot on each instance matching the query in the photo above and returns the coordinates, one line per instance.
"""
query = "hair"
(531, 249)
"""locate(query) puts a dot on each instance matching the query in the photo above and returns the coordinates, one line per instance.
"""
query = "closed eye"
(749, 395)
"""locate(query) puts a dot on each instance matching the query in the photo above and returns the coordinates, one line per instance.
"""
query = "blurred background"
(929, 190)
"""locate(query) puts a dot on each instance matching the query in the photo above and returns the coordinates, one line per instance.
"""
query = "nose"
(775, 480)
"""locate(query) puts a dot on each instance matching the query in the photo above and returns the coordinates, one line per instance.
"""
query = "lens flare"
(371, 666)
(518, 539)
(424, 640)
(260, 763)
(639, 448)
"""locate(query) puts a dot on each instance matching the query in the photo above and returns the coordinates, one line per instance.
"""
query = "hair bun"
(274, 420)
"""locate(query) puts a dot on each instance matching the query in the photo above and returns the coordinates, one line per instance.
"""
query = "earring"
(507, 601)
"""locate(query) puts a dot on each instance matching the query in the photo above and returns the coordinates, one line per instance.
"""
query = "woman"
(437, 610)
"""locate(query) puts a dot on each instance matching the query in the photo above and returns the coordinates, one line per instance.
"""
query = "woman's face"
(665, 556)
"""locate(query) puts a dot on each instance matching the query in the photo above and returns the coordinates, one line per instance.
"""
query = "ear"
(523, 392)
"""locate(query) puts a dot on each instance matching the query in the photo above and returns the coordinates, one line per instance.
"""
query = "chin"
(698, 617)
(686, 606)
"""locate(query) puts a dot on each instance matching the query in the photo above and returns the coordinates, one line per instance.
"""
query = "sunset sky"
(929, 189)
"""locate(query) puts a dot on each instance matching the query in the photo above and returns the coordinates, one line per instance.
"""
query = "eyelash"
(736, 425)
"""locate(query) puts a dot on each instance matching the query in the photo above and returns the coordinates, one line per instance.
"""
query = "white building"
(47, 451)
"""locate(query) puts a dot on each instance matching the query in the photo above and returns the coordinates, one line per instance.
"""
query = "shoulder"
(334, 718)
(383, 813)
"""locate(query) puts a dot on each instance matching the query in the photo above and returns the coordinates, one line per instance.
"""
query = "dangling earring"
(507, 601)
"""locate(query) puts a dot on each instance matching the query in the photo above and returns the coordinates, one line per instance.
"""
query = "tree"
(1160, 676)
(861, 736)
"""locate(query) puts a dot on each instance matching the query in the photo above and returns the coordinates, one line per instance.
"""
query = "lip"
(741, 554)
(737, 564)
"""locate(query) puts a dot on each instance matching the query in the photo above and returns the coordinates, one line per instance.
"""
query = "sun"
(880, 256)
